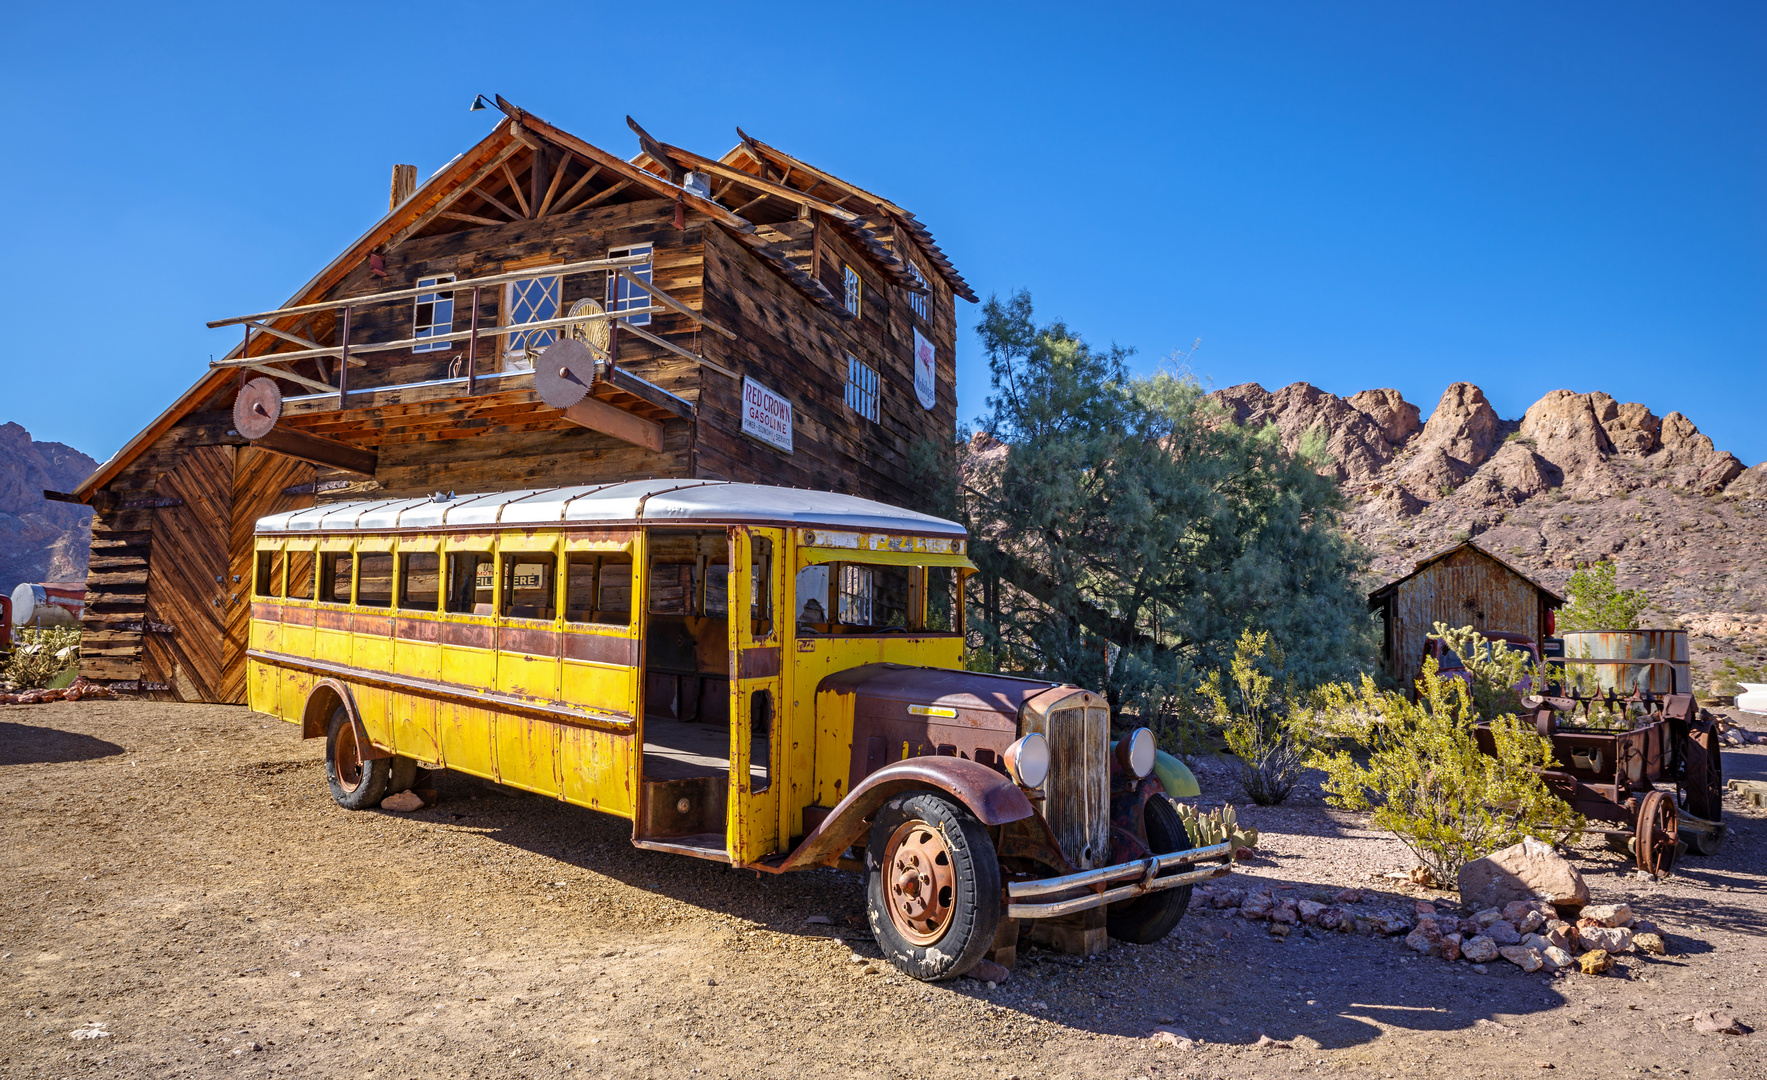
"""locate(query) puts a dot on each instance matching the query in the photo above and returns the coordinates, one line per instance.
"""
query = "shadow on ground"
(25, 744)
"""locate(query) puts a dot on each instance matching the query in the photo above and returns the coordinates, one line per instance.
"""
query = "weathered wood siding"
(1466, 588)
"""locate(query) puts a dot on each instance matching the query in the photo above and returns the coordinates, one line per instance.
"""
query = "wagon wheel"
(1656, 834)
(1702, 777)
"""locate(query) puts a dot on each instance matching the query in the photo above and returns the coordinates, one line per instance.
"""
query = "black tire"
(403, 775)
(974, 900)
(1146, 919)
(360, 786)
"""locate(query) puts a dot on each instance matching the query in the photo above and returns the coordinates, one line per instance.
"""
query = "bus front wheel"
(355, 784)
(932, 886)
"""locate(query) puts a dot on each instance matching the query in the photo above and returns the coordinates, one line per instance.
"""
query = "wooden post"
(1080, 934)
(343, 360)
(472, 346)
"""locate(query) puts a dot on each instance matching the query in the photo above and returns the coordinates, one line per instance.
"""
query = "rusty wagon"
(1646, 763)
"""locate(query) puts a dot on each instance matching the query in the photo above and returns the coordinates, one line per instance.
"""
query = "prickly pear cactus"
(1216, 826)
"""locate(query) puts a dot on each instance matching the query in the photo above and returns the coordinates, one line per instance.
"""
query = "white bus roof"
(657, 502)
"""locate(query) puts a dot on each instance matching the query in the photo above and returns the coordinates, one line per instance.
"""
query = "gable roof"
(464, 193)
(1379, 595)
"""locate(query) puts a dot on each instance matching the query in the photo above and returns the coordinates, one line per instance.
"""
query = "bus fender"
(993, 798)
(322, 701)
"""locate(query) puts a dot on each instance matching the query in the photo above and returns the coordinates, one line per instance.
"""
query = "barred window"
(861, 388)
(918, 300)
(854, 288)
(857, 584)
(622, 295)
(433, 314)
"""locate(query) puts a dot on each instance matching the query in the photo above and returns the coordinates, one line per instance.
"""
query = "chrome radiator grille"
(1077, 790)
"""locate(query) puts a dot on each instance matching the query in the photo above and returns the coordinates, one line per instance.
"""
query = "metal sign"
(924, 354)
(766, 415)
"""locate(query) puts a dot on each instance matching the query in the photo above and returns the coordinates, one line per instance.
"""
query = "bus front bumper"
(1048, 898)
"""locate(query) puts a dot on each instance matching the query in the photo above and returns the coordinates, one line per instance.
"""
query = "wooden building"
(749, 317)
(1462, 586)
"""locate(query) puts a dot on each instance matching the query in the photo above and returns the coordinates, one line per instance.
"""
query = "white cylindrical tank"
(50, 604)
(1622, 678)
(1753, 699)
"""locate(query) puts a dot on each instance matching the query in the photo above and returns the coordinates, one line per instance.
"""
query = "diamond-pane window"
(533, 300)
(433, 315)
(861, 388)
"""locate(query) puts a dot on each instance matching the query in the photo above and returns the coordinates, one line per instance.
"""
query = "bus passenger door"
(757, 705)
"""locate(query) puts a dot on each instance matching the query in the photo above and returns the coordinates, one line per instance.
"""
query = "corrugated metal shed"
(1462, 586)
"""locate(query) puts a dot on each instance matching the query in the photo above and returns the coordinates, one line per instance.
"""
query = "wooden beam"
(673, 304)
(648, 392)
(676, 349)
(657, 152)
(790, 194)
(754, 202)
(406, 343)
(605, 193)
(295, 443)
(285, 335)
(513, 216)
(472, 181)
(578, 186)
(598, 415)
(311, 384)
(552, 188)
(455, 215)
(516, 189)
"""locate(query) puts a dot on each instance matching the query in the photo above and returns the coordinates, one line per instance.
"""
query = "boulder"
(1228, 898)
(1693, 462)
(1329, 918)
(1524, 958)
(1424, 941)
(1449, 946)
(1555, 959)
(404, 802)
(1426, 909)
(1348, 896)
(1503, 933)
(1613, 939)
(1464, 426)
(1309, 911)
(1714, 1022)
(1650, 943)
(1559, 933)
(1630, 427)
(1749, 484)
(1257, 905)
(1485, 918)
(1285, 913)
(1479, 950)
(1595, 962)
(1530, 870)
(1397, 418)
(1531, 922)
(1605, 915)
(1389, 923)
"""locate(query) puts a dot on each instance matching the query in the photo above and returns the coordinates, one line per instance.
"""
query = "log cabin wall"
(799, 350)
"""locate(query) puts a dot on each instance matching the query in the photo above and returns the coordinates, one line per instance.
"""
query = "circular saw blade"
(257, 407)
(564, 373)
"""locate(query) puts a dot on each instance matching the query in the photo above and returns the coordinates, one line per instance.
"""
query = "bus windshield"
(875, 598)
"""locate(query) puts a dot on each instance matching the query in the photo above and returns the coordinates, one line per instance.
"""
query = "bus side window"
(300, 575)
(469, 582)
(374, 579)
(528, 584)
(941, 599)
(613, 591)
(420, 580)
(269, 573)
(334, 577)
(760, 586)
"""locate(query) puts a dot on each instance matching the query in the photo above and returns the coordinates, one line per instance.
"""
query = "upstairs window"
(622, 295)
(854, 288)
(434, 314)
(917, 301)
(862, 388)
(533, 300)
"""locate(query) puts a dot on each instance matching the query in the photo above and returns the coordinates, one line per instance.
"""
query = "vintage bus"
(762, 676)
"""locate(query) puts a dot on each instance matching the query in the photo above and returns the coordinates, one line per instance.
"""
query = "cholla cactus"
(40, 655)
(1215, 827)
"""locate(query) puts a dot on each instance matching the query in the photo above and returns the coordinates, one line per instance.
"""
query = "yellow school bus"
(763, 676)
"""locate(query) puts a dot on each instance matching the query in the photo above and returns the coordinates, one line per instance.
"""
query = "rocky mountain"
(40, 540)
(1579, 477)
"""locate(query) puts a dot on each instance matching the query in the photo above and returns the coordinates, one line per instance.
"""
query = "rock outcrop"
(40, 540)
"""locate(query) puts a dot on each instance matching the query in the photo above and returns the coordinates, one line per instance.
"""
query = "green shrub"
(1426, 780)
(39, 656)
(1270, 742)
(1496, 670)
(1598, 603)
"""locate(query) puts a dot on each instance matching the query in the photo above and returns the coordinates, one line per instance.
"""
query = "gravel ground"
(178, 878)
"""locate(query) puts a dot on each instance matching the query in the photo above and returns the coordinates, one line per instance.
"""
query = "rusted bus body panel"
(1465, 586)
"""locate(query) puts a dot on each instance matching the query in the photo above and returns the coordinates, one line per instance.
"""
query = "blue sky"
(1525, 196)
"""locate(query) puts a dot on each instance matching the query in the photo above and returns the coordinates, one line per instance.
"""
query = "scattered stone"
(1555, 959)
(1545, 1065)
(1530, 922)
(1605, 915)
(989, 972)
(1486, 917)
(1273, 1044)
(1449, 946)
(1278, 929)
(1528, 960)
(1257, 905)
(1162, 1036)
(1595, 962)
(1479, 949)
(1480, 968)
(1713, 1022)
(1390, 923)
(1426, 909)
(1517, 910)
(1503, 933)
(1348, 896)
(1615, 939)
(1422, 941)
(94, 1030)
(1530, 870)
(1309, 910)
(819, 920)
(1650, 943)
(404, 802)
(1285, 912)
(1559, 933)
(1228, 898)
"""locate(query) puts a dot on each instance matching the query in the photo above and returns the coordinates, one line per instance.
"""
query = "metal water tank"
(55, 603)
(1622, 678)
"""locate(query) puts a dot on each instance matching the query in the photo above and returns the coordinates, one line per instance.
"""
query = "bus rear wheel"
(355, 784)
(932, 886)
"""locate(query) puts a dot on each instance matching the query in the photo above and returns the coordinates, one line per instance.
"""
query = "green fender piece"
(1175, 776)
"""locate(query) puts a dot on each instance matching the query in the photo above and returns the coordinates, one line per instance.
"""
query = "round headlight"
(1135, 753)
(1027, 760)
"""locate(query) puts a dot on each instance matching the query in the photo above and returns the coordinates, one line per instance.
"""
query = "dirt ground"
(177, 877)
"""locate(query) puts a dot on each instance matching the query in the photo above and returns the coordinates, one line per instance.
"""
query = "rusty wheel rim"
(346, 758)
(920, 883)
(1657, 834)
